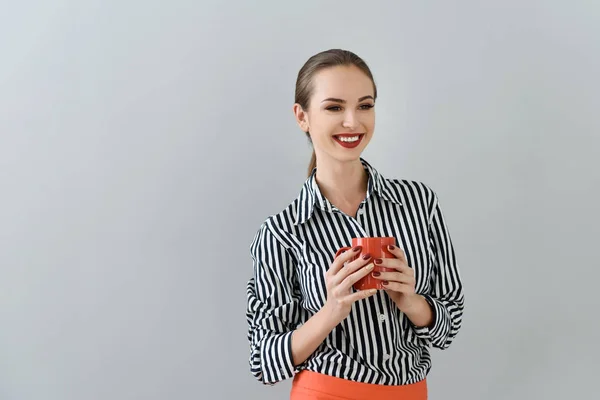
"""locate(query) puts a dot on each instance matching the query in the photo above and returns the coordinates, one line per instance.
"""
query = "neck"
(342, 182)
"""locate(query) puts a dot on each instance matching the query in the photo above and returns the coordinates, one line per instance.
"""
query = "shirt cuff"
(278, 363)
(439, 328)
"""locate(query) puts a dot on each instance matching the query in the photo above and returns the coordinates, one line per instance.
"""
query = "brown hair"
(322, 60)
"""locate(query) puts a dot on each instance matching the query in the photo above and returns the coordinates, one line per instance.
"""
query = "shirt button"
(386, 357)
(382, 317)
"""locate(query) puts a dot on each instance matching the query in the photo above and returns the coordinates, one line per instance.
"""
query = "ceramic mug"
(377, 247)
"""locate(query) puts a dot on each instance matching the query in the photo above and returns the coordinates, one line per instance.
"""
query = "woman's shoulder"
(280, 226)
(401, 187)
(411, 183)
(408, 190)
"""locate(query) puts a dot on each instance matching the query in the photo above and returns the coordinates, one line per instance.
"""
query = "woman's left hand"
(398, 284)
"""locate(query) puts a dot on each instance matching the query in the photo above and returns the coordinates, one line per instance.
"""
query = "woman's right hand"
(340, 277)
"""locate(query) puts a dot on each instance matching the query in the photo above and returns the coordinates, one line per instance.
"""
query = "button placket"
(360, 215)
(358, 223)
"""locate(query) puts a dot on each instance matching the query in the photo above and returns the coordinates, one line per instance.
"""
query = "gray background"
(142, 143)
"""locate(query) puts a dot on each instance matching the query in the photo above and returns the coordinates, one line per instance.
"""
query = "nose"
(350, 121)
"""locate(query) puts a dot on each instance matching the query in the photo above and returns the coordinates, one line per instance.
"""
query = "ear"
(301, 117)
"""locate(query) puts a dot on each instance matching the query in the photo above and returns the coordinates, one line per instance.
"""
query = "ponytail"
(313, 163)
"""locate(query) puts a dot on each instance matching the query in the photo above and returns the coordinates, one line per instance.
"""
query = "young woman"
(305, 320)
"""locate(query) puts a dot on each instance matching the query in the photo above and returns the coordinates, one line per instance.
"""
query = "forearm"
(309, 336)
(420, 312)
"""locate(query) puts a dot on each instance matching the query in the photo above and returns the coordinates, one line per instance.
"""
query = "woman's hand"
(399, 284)
(340, 277)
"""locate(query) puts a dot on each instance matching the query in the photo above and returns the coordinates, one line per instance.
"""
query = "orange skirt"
(309, 385)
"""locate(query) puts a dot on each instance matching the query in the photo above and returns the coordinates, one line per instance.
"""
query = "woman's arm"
(446, 299)
(309, 336)
(273, 309)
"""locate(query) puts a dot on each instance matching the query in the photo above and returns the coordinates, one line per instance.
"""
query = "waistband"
(315, 386)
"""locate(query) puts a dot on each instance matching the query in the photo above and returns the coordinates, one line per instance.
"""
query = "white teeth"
(348, 139)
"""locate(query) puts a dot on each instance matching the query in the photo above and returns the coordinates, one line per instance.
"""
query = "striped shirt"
(376, 343)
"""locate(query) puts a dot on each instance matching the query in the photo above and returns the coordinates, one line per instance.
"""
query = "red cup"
(377, 247)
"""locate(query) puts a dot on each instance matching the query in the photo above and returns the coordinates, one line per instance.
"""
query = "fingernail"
(376, 273)
(391, 247)
(378, 261)
(385, 282)
(357, 248)
(369, 267)
(366, 256)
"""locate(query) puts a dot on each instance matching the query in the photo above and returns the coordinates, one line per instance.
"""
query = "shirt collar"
(311, 196)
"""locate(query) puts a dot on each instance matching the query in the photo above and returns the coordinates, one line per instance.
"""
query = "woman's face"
(341, 114)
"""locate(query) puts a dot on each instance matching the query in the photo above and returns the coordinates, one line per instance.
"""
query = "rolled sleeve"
(446, 297)
(272, 311)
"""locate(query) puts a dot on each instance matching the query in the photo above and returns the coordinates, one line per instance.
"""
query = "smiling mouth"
(349, 140)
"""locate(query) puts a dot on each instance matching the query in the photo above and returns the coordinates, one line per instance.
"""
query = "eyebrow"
(344, 101)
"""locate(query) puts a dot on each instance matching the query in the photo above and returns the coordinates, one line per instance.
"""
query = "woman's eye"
(362, 107)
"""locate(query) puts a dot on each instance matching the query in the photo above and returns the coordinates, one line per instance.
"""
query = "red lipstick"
(349, 140)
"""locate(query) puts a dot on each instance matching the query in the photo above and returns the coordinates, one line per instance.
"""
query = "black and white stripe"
(376, 343)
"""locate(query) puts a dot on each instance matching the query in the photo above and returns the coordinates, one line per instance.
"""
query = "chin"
(348, 156)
